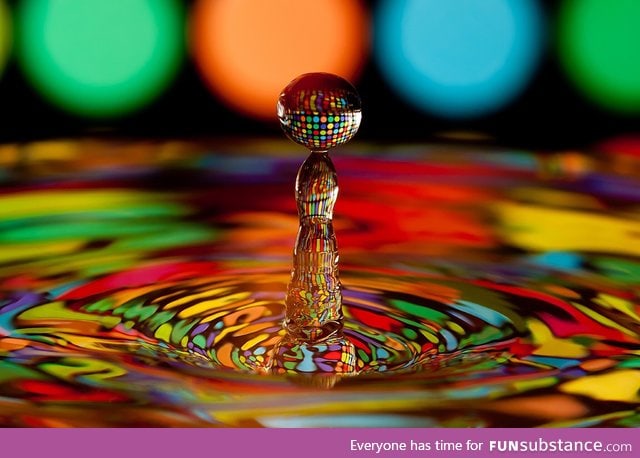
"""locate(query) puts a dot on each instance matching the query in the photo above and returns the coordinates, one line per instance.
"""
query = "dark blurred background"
(562, 93)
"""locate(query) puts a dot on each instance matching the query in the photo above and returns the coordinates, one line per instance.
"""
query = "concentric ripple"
(233, 321)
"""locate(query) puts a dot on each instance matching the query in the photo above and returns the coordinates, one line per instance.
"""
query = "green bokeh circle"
(100, 58)
(599, 47)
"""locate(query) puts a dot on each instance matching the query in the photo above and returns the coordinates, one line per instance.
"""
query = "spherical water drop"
(319, 111)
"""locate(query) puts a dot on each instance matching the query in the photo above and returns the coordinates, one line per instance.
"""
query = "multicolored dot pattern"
(321, 131)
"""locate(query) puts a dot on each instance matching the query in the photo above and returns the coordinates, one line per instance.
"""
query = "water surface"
(143, 285)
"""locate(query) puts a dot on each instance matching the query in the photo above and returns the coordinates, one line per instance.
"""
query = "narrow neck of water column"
(314, 297)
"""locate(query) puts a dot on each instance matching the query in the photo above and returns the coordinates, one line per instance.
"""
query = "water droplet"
(319, 111)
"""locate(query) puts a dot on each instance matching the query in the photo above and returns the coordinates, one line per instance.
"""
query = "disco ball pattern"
(319, 111)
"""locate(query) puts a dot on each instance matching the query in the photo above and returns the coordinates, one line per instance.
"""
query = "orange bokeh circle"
(248, 50)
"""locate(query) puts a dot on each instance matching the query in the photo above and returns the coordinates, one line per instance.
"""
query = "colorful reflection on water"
(143, 285)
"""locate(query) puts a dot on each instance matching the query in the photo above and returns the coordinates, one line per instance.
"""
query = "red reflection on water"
(143, 276)
(628, 145)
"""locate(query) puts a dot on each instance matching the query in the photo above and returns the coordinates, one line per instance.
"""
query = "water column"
(318, 111)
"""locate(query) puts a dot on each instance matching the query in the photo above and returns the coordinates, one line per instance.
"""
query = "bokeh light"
(461, 58)
(622, 145)
(5, 34)
(622, 154)
(100, 58)
(249, 50)
(599, 46)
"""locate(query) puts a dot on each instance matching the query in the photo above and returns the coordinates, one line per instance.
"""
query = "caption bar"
(320, 443)
(497, 446)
